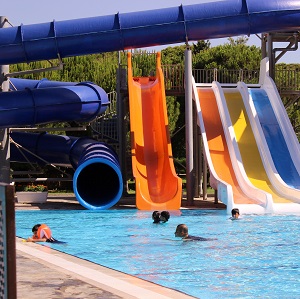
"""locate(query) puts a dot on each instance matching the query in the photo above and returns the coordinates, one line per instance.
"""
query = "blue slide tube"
(27, 43)
(80, 102)
(97, 182)
(21, 84)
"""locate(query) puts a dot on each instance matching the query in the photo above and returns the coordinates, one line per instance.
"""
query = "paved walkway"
(37, 279)
(45, 273)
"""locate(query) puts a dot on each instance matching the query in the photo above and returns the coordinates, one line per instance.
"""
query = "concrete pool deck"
(46, 273)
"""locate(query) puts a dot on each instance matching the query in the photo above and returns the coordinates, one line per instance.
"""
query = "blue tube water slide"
(22, 84)
(26, 43)
(29, 107)
(218, 19)
(97, 182)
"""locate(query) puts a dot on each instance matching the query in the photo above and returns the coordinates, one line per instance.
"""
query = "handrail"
(287, 77)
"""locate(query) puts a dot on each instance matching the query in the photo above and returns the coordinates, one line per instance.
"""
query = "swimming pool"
(254, 257)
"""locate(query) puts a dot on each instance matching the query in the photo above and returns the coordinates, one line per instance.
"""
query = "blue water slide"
(97, 182)
(80, 102)
(27, 43)
(21, 84)
(275, 139)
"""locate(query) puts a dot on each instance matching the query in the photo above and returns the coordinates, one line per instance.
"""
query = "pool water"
(254, 257)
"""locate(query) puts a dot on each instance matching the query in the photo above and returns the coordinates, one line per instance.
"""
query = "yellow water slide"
(218, 149)
(157, 185)
(251, 158)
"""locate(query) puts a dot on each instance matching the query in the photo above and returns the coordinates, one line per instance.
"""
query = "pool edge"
(112, 281)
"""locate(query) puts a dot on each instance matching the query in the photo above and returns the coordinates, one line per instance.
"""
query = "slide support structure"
(190, 179)
(4, 141)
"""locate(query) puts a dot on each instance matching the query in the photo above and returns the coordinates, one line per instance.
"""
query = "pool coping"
(112, 281)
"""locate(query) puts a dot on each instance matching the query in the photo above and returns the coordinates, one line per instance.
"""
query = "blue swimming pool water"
(254, 257)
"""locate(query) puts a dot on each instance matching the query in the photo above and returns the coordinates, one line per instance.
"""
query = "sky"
(41, 11)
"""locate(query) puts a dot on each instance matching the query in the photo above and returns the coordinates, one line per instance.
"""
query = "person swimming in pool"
(156, 217)
(160, 217)
(235, 213)
(183, 233)
(42, 233)
(164, 216)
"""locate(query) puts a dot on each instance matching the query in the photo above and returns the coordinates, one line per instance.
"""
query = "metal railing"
(105, 125)
(174, 76)
(287, 78)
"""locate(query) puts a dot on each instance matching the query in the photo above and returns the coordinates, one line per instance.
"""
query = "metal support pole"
(204, 177)
(201, 172)
(197, 152)
(189, 127)
(4, 140)
(271, 56)
(263, 46)
(120, 115)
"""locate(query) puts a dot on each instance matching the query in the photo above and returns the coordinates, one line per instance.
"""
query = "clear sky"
(40, 11)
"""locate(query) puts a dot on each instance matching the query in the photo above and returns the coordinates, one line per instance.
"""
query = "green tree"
(233, 55)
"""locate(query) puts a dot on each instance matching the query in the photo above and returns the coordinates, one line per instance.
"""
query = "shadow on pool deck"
(46, 273)
(67, 201)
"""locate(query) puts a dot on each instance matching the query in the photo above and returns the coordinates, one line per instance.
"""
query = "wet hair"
(235, 211)
(182, 229)
(156, 216)
(35, 228)
(166, 215)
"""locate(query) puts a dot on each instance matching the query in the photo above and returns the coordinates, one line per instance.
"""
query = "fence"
(287, 77)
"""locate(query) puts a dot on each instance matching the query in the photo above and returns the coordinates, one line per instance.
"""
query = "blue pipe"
(21, 84)
(81, 102)
(27, 43)
(97, 182)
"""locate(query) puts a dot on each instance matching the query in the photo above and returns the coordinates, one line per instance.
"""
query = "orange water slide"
(218, 149)
(157, 185)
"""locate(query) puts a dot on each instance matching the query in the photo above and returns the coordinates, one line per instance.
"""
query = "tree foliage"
(233, 55)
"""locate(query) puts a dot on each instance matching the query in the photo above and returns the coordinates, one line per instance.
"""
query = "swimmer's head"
(35, 228)
(181, 231)
(155, 216)
(235, 213)
(164, 216)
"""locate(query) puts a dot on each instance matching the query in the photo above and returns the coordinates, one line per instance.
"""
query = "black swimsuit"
(52, 240)
(194, 238)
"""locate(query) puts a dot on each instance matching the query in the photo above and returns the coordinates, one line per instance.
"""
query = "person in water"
(156, 217)
(41, 233)
(160, 217)
(235, 213)
(164, 216)
(183, 233)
